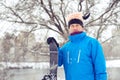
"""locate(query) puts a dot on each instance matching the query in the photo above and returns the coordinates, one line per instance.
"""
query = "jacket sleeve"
(99, 62)
(60, 57)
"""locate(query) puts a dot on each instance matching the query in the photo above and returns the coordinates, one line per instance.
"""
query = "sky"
(4, 25)
(7, 27)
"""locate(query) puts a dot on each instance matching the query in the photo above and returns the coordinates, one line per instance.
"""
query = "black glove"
(52, 39)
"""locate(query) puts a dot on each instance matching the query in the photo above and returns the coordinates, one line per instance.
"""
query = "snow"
(21, 65)
(10, 2)
(113, 63)
(45, 65)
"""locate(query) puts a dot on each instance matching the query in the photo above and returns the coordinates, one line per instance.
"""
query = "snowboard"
(53, 49)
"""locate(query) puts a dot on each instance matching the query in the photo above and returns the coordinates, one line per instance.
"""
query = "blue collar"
(77, 37)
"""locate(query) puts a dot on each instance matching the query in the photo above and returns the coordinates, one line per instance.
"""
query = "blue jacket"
(82, 58)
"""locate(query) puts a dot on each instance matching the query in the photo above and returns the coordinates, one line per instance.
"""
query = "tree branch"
(15, 13)
(63, 16)
(110, 38)
(80, 5)
(107, 10)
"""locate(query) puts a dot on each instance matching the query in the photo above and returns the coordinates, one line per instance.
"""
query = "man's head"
(75, 22)
(75, 18)
(75, 28)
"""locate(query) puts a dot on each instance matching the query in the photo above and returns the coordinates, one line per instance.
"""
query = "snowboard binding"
(50, 77)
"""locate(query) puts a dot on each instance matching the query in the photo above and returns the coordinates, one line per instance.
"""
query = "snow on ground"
(33, 65)
(113, 63)
(21, 65)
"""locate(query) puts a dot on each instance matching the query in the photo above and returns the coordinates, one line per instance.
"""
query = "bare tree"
(49, 14)
(5, 54)
(111, 48)
(6, 45)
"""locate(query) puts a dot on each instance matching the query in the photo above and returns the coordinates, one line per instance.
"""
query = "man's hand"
(52, 39)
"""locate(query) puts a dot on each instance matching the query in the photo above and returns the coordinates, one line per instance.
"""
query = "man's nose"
(74, 27)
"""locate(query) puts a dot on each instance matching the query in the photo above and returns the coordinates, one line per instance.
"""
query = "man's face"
(75, 28)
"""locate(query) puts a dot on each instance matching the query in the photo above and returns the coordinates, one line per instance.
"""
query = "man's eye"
(72, 26)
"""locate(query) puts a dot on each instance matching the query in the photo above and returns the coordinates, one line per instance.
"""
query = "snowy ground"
(38, 70)
(21, 65)
(113, 63)
(33, 65)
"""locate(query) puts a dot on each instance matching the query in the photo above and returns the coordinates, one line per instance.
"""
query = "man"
(82, 56)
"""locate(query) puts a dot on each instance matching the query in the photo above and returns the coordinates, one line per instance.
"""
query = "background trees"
(49, 16)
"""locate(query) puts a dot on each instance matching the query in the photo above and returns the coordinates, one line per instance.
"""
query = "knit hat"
(76, 17)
